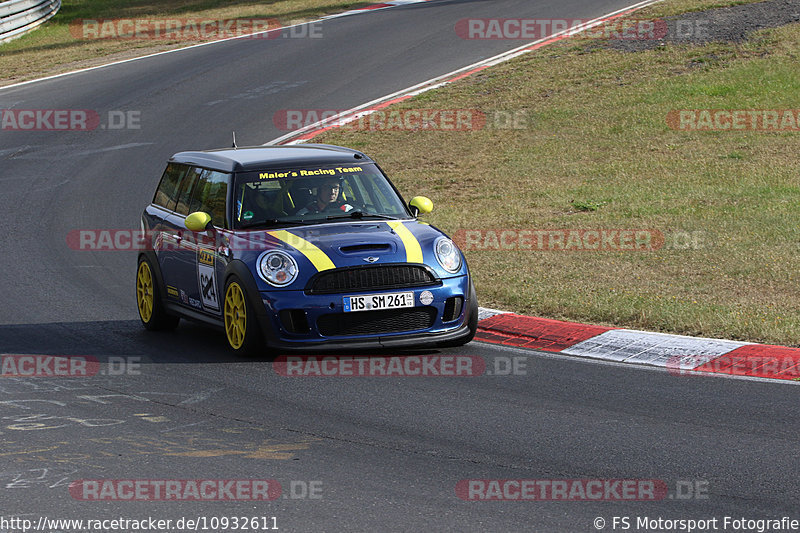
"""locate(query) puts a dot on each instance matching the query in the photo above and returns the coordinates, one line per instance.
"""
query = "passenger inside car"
(259, 203)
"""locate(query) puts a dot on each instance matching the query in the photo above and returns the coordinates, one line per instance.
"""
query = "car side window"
(210, 195)
(185, 190)
(167, 192)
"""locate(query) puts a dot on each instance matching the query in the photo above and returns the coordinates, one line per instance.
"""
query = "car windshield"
(314, 194)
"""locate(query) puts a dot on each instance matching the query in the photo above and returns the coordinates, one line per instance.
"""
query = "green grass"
(597, 153)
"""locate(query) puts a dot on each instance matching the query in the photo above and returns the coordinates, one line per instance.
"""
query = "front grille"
(376, 322)
(370, 277)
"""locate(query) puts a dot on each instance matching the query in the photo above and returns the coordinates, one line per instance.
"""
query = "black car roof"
(265, 157)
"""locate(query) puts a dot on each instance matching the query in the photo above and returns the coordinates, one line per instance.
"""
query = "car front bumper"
(443, 325)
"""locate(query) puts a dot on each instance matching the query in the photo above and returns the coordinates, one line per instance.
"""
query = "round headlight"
(448, 255)
(277, 268)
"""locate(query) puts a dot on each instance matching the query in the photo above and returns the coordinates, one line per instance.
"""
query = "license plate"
(374, 302)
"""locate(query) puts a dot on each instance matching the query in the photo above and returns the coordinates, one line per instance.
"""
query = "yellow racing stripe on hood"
(317, 257)
(413, 249)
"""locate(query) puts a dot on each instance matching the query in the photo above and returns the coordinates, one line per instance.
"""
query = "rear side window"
(210, 194)
(167, 192)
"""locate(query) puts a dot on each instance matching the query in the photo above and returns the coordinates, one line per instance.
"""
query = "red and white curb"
(307, 133)
(374, 7)
(679, 354)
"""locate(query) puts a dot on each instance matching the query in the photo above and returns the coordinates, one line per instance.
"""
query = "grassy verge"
(597, 153)
(52, 48)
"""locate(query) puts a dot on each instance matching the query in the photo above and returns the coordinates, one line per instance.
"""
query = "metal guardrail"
(18, 17)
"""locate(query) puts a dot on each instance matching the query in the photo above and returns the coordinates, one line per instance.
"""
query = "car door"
(174, 251)
(209, 196)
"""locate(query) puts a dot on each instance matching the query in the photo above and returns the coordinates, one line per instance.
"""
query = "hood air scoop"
(366, 248)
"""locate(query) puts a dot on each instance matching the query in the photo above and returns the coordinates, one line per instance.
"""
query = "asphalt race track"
(351, 454)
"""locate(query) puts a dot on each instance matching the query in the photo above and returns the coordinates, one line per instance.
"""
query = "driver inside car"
(327, 199)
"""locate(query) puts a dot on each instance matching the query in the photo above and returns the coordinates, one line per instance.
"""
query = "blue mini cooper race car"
(299, 247)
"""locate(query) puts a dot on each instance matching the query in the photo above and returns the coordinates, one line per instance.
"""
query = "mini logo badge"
(426, 297)
(371, 259)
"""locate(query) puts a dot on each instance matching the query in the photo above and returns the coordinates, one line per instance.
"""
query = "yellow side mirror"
(422, 205)
(198, 221)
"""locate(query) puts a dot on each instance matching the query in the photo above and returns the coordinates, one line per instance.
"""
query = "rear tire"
(152, 313)
(473, 322)
(241, 325)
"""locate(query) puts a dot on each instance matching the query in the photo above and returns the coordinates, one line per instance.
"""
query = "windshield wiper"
(361, 214)
(272, 222)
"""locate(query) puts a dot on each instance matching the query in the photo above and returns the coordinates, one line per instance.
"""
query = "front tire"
(241, 325)
(152, 313)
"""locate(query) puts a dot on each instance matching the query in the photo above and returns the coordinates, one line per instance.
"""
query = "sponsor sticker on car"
(207, 278)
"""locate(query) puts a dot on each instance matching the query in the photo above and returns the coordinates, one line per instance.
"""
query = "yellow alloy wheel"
(144, 291)
(235, 315)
